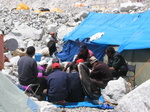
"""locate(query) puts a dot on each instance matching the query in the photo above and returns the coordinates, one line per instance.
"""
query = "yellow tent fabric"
(22, 6)
(78, 5)
(39, 11)
(56, 10)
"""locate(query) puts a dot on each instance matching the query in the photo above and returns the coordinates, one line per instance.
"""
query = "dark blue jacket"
(76, 93)
(57, 85)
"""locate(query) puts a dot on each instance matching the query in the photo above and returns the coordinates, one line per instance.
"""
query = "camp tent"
(12, 99)
(78, 4)
(1, 52)
(41, 10)
(56, 10)
(22, 6)
(71, 48)
(128, 32)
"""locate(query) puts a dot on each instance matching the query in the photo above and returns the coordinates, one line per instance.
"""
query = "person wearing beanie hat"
(57, 84)
(100, 74)
(92, 60)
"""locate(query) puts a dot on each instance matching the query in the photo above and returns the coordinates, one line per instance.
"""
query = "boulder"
(115, 90)
(138, 100)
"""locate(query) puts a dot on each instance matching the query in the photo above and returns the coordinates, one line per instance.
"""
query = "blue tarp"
(71, 48)
(129, 31)
(87, 104)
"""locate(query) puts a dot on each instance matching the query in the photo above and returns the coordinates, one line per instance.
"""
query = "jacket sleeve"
(117, 63)
(35, 69)
(98, 83)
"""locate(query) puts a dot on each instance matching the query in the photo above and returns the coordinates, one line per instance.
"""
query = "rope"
(138, 72)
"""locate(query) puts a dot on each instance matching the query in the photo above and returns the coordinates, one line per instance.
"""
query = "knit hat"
(79, 60)
(55, 65)
(93, 60)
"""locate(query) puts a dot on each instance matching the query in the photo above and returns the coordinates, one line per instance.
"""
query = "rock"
(51, 28)
(137, 100)
(115, 90)
(38, 34)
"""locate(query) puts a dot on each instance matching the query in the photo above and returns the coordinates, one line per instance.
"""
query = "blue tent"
(128, 31)
(71, 48)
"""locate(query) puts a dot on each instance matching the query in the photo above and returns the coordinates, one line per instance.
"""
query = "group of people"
(60, 85)
(66, 86)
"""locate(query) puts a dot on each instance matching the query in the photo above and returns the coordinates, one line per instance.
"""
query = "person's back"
(27, 70)
(76, 93)
(57, 84)
(100, 73)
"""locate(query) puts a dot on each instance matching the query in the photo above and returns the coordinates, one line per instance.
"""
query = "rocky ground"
(30, 28)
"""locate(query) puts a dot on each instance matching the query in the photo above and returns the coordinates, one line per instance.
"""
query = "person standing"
(27, 71)
(52, 43)
(116, 62)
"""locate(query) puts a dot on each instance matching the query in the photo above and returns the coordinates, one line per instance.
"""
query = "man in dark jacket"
(76, 93)
(116, 62)
(52, 43)
(84, 53)
(100, 74)
(27, 70)
(57, 84)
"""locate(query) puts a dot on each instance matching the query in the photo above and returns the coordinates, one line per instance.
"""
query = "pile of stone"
(30, 28)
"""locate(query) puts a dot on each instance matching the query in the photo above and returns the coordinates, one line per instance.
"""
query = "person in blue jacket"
(76, 93)
(57, 84)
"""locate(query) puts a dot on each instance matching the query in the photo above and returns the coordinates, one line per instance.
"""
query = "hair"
(22, 49)
(30, 50)
(73, 66)
(55, 60)
(110, 50)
